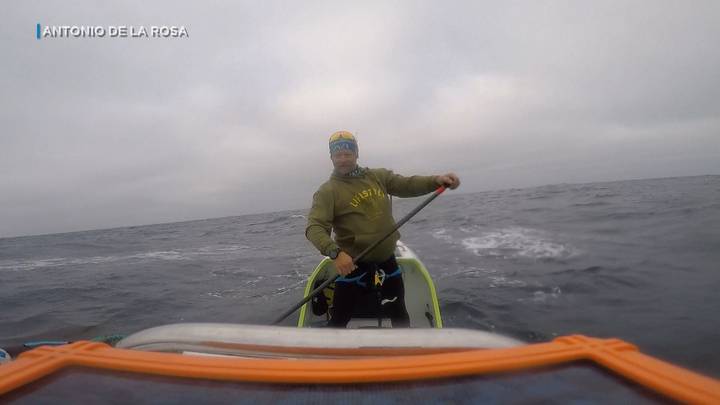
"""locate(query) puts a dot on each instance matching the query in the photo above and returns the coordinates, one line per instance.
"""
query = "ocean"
(637, 260)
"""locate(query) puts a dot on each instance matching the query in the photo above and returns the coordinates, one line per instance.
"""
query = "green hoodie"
(358, 210)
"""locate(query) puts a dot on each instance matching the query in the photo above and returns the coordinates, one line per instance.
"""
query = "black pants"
(350, 294)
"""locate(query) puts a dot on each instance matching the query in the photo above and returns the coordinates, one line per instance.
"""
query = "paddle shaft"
(362, 254)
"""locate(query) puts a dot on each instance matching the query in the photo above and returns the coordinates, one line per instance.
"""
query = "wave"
(54, 262)
(469, 272)
(157, 255)
(502, 281)
(272, 221)
(441, 234)
(80, 245)
(590, 204)
(463, 308)
(624, 215)
(517, 242)
(541, 296)
(593, 278)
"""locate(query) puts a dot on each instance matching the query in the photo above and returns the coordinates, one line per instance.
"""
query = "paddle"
(361, 255)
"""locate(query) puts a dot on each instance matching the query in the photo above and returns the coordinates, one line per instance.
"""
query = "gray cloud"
(234, 119)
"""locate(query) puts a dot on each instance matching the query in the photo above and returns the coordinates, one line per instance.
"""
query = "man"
(354, 203)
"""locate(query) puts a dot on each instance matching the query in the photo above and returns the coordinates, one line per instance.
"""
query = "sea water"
(638, 260)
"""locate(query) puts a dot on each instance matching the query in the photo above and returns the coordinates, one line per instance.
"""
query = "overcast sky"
(104, 132)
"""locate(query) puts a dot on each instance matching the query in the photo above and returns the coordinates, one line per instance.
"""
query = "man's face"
(344, 161)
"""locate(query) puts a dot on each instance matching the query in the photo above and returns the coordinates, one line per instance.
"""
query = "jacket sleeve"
(320, 221)
(412, 186)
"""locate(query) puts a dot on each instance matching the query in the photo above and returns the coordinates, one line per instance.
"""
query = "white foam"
(501, 281)
(496, 279)
(441, 234)
(542, 296)
(26, 265)
(54, 262)
(470, 272)
(169, 255)
(159, 255)
(517, 242)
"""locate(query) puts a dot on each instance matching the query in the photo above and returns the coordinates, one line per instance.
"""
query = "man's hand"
(450, 180)
(344, 264)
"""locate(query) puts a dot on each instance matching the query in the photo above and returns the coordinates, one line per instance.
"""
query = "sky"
(234, 119)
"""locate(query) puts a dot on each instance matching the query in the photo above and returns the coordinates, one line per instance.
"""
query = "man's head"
(343, 151)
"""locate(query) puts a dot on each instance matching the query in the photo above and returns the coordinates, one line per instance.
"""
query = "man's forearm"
(413, 186)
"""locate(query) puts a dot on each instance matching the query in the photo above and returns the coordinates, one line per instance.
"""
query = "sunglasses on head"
(341, 135)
